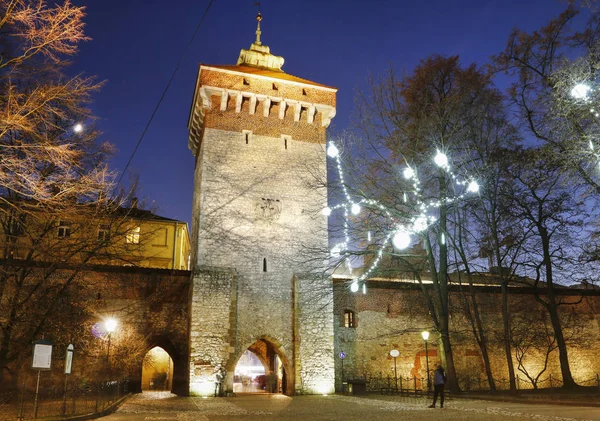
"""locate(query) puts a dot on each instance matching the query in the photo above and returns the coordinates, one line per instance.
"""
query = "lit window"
(103, 232)
(64, 229)
(133, 236)
(349, 319)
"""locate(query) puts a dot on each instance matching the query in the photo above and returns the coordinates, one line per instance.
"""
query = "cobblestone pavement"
(162, 406)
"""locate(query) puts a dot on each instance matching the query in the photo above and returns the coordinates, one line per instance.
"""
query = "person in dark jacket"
(439, 382)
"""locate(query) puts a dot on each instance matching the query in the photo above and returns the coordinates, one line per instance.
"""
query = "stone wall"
(257, 216)
(393, 316)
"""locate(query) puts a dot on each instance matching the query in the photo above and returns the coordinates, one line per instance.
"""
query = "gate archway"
(278, 376)
(157, 370)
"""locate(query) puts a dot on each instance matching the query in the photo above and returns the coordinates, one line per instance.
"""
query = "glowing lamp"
(332, 151)
(401, 240)
(326, 211)
(408, 172)
(110, 325)
(354, 286)
(441, 160)
(420, 224)
(580, 91)
(78, 128)
(473, 187)
(425, 335)
(355, 209)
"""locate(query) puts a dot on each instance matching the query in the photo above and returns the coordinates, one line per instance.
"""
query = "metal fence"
(416, 385)
(56, 401)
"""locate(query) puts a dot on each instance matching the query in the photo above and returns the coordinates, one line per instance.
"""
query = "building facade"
(259, 241)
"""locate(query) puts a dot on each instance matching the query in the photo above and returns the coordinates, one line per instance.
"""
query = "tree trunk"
(551, 306)
(506, 326)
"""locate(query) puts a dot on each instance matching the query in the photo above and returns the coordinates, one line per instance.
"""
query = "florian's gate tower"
(259, 239)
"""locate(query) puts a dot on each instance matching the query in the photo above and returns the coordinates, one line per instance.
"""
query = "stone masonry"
(259, 239)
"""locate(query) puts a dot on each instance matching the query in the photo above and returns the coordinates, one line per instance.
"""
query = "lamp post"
(110, 325)
(425, 336)
(394, 353)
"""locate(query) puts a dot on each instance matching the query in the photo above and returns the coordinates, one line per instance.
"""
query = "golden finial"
(258, 19)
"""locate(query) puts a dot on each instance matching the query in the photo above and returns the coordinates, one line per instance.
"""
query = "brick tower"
(259, 240)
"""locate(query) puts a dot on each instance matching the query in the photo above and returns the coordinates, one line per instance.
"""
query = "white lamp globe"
(425, 335)
(332, 151)
(401, 239)
(408, 172)
(441, 160)
(473, 187)
(355, 209)
(326, 211)
(354, 286)
(110, 325)
(78, 128)
(580, 91)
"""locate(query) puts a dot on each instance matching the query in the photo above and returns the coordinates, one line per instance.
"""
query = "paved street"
(162, 406)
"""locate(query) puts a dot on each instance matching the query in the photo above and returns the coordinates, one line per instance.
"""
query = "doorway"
(157, 370)
(260, 369)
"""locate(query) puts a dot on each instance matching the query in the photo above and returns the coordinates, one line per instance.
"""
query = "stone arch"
(264, 347)
(157, 370)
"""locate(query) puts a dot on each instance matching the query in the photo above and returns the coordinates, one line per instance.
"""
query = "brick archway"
(180, 372)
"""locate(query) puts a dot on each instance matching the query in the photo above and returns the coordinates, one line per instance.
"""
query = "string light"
(400, 233)
(580, 91)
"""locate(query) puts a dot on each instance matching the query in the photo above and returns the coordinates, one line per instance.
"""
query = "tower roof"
(259, 55)
(269, 73)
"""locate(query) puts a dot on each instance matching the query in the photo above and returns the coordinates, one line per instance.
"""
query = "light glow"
(473, 187)
(326, 211)
(355, 209)
(425, 335)
(354, 286)
(580, 91)
(78, 128)
(332, 150)
(401, 239)
(408, 173)
(441, 160)
(111, 324)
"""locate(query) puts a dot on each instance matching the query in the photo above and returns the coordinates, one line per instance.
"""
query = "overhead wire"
(164, 93)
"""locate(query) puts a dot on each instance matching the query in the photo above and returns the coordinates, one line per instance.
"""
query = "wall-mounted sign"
(42, 355)
(69, 359)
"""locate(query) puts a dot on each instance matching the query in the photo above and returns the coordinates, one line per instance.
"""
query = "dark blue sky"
(136, 45)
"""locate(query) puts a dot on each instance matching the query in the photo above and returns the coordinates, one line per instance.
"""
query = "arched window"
(349, 318)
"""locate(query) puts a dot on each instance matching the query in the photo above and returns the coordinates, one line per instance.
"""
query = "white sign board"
(42, 357)
(69, 359)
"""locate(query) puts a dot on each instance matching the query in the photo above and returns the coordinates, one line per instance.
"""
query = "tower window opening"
(264, 264)
(285, 143)
(349, 318)
(246, 82)
(304, 92)
(275, 88)
(247, 137)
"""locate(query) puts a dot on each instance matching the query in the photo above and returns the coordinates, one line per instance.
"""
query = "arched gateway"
(259, 239)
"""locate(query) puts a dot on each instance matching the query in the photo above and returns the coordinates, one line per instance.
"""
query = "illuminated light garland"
(400, 234)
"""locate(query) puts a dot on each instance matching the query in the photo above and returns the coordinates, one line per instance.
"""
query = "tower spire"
(258, 19)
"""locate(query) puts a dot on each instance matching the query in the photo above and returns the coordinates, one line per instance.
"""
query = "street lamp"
(425, 336)
(110, 325)
(394, 353)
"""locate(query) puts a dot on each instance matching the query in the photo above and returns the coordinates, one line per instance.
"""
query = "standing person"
(439, 382)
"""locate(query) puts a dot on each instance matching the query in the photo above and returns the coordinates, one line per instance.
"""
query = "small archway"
(267, 369)
(157, 370)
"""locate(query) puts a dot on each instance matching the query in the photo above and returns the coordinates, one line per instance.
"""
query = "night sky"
(137, 44)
